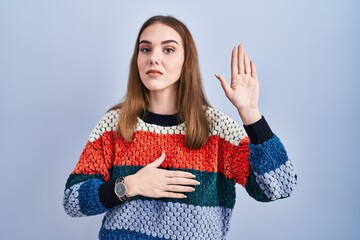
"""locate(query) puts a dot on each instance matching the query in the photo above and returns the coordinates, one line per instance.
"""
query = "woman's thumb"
(158, 161)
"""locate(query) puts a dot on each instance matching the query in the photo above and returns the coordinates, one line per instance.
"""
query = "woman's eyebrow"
(169, 41)
(144, 42)
(163, 42)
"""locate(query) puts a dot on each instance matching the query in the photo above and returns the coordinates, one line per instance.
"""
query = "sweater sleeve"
(84, 190)
(256, 159)
(272, 174)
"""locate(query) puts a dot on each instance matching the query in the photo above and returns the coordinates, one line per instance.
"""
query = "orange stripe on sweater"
(217, 155)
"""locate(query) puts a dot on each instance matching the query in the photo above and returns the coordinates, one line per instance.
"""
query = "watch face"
(120, 189)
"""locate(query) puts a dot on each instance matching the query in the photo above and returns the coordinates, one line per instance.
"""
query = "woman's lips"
(153, 73)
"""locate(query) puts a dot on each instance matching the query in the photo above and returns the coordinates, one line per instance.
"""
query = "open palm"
(243, 91)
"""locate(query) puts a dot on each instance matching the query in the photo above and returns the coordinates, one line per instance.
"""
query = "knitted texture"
(227, 158)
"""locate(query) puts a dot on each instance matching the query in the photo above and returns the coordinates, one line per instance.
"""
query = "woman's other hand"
(153, 182)
(243, 92)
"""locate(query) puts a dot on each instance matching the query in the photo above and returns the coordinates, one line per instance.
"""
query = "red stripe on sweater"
(217, 155)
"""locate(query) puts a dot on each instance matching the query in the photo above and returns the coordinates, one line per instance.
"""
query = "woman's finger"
(240, 60)
(247, 69)
(179, 189)
(253, 70)
(234, 62)
(178, 174)
(224, 84)
(182, 181)
(172, 195)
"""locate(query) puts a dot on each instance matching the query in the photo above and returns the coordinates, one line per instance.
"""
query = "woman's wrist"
(130, 183)
(249, 116)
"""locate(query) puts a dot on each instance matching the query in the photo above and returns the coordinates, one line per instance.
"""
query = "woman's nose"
(155, 58)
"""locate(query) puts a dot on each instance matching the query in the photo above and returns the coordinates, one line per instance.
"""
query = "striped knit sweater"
(256, 159)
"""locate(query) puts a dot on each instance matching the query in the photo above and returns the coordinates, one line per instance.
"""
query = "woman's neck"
(162, 102)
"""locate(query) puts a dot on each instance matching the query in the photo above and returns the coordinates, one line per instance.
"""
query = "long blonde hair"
(191, 100)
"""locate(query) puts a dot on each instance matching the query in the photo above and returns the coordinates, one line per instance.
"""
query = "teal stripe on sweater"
(254, 190)
(214, 189)
(78, 178)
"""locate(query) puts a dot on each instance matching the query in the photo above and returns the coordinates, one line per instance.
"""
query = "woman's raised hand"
(151, 181)
(243, 92)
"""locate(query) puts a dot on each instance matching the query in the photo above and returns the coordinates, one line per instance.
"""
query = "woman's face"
(160, 58)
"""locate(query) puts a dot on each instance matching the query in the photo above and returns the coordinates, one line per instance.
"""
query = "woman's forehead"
(159, 32)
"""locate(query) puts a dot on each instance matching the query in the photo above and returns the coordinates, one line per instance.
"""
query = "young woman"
(163, 164)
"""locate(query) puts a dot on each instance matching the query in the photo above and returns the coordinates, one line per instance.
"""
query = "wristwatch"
(120, 189)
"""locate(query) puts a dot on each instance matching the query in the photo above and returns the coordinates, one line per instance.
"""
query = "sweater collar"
(160, 119)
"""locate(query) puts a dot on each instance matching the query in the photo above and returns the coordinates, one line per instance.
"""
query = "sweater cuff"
(107, 195)
(259, 131)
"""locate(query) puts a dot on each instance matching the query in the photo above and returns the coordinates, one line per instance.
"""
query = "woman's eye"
(169, 50)
(145, 49)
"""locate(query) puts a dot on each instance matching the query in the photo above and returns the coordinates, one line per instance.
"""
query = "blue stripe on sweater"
(89, 200)
(156, 219)
(267, 156)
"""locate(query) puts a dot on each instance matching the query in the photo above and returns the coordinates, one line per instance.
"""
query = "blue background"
(64, 63)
